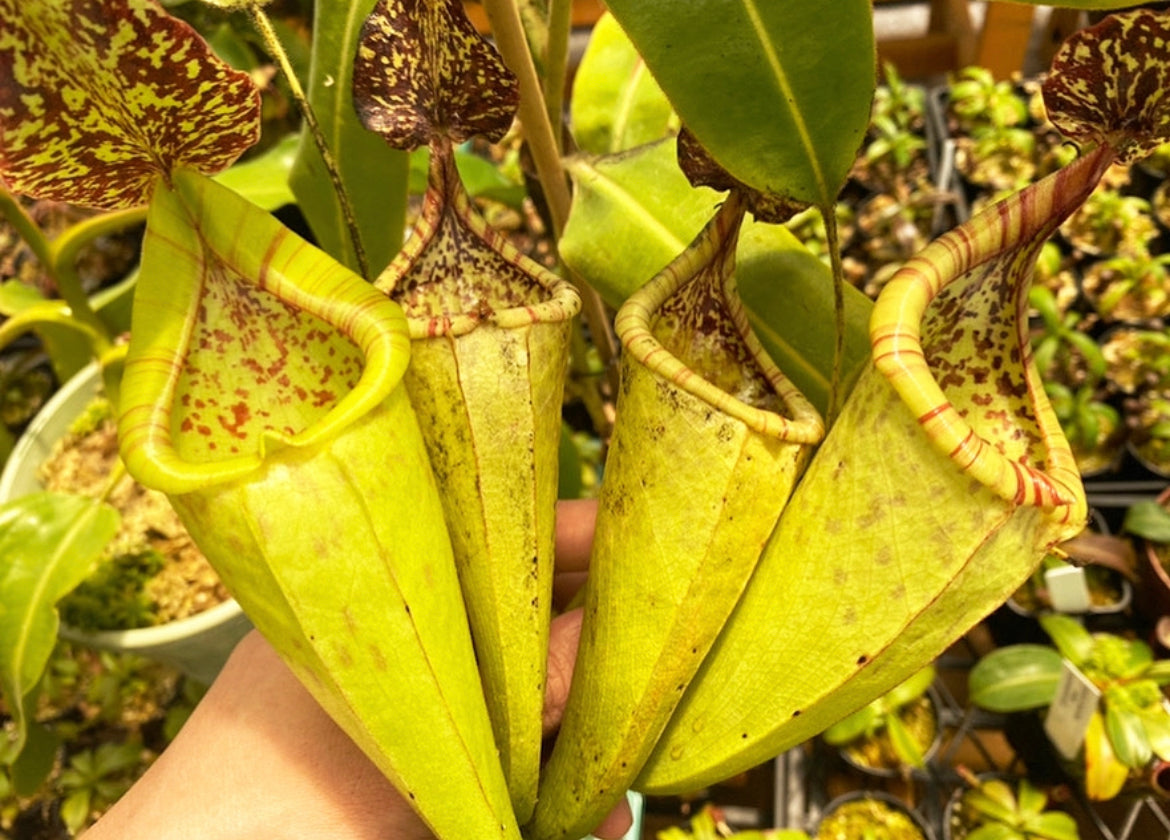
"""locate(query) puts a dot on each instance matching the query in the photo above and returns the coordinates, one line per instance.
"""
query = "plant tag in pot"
(1068, 716)
(1068, 589)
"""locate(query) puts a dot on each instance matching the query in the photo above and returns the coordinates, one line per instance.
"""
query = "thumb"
(563, 636)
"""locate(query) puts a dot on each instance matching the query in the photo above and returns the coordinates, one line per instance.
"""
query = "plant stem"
(276, 49)
(33, 236)
(509, 36)
(560, 25)
(64, 251)
(833, 242)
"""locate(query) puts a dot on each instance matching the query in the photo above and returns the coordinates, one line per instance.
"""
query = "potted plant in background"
(895, 734)
(996, 808)
(870, 814)
(1130, 725)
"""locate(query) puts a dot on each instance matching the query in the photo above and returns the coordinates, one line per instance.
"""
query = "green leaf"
(1053, 825)
(1157, 725)
(374, 175)
(616, 103)
(1015, 678)
(778, 92)
(911, 689)
(36, 759)
(852, 726)
(1128, 736)
(995, 831)
(48, 542)
(1148, 519)
(905, 745)
(787, 293)
(1032, 800)
(263, 180)
(480, 177)
(1073, 641)
(100, 131)
(631, 215)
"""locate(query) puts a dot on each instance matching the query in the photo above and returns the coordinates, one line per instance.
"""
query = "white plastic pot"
(198, 645)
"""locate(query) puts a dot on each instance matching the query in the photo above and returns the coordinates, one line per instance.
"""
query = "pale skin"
(260, 758)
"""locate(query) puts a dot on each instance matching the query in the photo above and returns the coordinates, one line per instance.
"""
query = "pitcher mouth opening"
(973, 387)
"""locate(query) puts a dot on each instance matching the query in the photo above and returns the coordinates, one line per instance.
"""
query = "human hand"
(260, 758)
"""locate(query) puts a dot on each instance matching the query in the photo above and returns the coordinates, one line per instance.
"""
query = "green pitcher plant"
(264, 383)
(490, 329)
(675, 544)
(951, 409)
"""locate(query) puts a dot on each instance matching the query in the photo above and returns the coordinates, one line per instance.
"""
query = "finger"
(616, 823)
(576, 519)
(563, 637)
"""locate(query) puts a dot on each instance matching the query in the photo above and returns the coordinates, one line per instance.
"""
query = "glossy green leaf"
(263, 180)
(98, 99)
(631, 215)
(48, 544)
(852, 726)
(374, 174)
(616, 103)
(1127, 735)
(1053, 825)
(778, 92)
(1148, 519)
(787, 292)
(35, 760)
(1157, 725)
(634, 212)
(1074, 642)
(906, 746)
(481, 178)
(1015, 678)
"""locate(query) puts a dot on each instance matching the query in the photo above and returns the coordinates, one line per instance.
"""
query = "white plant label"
(1068, 716)
(1068, 589)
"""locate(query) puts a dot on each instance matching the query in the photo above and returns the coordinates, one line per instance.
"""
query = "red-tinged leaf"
(100, 97)
(1110, 83)
(423, 72)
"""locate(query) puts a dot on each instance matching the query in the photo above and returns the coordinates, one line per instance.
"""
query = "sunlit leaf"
(1015, 678)
(48, 544)
(778, 92)
(373, 174)
(98, 99)
(616, 103)
(1110, 83)
(423, 72)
